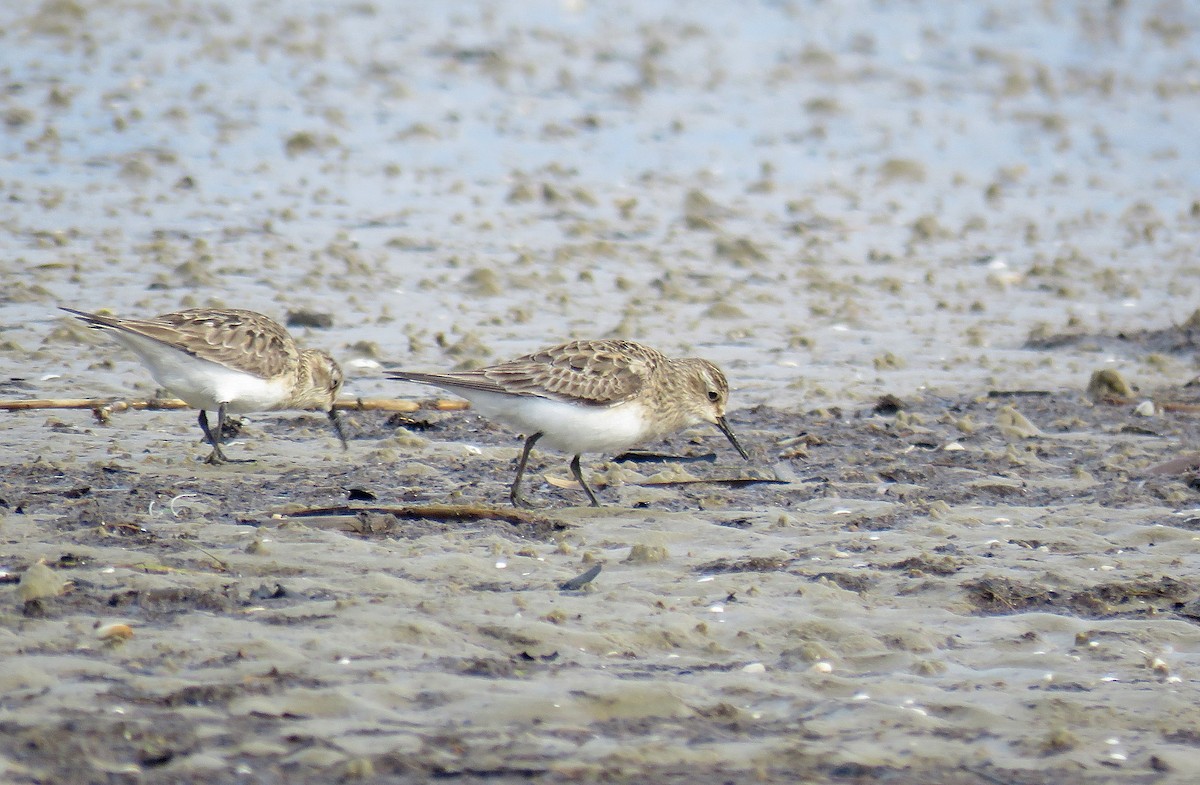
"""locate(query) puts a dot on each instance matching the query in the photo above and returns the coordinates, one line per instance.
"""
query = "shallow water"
(831, 200)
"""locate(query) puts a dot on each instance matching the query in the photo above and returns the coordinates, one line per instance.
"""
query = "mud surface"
(934, 593)
(911, 233)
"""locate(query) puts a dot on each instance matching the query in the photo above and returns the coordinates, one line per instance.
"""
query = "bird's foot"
(217, 458)
(521, 502)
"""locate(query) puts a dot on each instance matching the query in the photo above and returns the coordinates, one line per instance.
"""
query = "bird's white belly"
(203, 384)
(568, 427)
(241, 392)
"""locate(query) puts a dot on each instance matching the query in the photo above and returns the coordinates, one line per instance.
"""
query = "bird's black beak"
(337, 426)
(724, 426)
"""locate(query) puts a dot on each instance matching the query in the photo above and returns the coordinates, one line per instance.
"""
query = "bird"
(590, 396)
(228, 360)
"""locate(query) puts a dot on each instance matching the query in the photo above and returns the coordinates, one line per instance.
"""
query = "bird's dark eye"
(714, 396)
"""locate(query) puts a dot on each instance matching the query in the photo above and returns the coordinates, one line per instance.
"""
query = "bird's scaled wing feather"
(243, 340)
(597, 373)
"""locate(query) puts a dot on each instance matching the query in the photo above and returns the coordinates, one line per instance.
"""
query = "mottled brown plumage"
(595, 373)
(243, 340)
(230, 360)
(591, 396)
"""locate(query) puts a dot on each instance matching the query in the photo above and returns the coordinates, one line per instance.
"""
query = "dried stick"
(355, 405)
(435, 512)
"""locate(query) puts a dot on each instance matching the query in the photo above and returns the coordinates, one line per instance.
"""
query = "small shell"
(114, 632)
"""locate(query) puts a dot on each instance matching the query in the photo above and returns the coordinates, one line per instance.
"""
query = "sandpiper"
(229, 360)
(591, 396)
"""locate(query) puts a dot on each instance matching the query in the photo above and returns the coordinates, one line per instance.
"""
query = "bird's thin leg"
(216, 457)
(514, 493)
(578, 472)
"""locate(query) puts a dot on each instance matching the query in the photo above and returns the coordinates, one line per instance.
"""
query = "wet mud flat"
(833, 201)
(994, 588)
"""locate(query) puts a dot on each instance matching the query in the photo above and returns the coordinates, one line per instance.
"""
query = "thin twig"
(93, 403)
(221, 564)
(436, 512)
(733, 482)
(349, 405)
